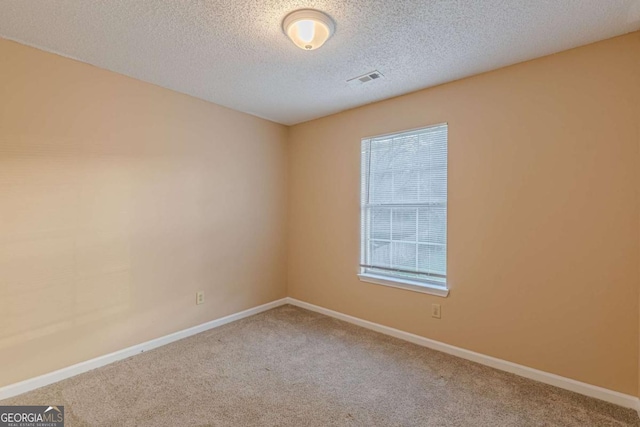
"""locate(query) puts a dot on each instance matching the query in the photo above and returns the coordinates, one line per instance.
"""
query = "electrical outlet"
(200, 297)
(435, 311)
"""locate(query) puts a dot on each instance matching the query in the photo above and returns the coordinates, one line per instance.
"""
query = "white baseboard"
(601, 393)
(12, 390)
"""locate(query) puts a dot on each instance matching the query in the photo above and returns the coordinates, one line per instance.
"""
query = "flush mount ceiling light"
(308, 28)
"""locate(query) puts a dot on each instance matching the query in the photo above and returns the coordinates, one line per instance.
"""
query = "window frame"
(440, 289)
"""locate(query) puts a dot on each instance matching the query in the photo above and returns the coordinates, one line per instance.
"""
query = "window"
(404, 210)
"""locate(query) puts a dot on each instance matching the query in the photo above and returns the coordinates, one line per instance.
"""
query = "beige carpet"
(292, 367)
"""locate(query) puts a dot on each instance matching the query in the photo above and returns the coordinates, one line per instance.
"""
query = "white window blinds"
(404, 205)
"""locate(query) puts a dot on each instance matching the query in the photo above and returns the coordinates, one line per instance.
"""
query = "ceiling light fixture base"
(308, 28)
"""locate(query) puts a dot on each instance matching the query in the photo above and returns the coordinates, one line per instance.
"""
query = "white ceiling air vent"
(365, 78)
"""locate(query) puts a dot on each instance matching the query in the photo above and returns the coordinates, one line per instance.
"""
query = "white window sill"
(409, 285)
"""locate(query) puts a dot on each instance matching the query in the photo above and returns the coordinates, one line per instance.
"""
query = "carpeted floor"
(292, 367)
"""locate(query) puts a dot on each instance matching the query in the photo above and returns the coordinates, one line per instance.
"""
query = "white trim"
(15, 389)
(601, 393)
(409, 285)
(383, 135)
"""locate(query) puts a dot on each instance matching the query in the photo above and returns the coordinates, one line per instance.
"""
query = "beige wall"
(543, 213)
(118, 201)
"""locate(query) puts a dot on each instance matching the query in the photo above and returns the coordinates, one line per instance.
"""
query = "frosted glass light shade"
(307, 28)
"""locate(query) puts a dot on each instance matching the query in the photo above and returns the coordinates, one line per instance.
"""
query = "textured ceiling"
(234, 53)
